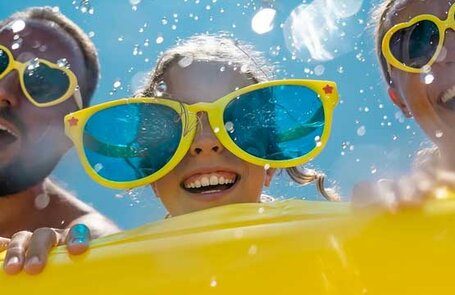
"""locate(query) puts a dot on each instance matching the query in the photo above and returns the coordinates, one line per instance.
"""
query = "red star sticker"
(328, 89)
(73, 121)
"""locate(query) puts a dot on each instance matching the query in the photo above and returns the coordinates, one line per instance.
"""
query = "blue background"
(370, 139)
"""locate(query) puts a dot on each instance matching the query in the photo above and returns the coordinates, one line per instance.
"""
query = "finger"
(78, 239)
(42, 240)
(4, 244)
(14, 260)
(364, 194)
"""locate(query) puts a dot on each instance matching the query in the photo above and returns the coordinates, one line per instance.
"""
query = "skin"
(423, 102)
(204, 82)
(27, 230)
(420, 100)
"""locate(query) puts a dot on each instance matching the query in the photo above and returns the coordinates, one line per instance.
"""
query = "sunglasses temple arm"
(78, 98)
(115, 151)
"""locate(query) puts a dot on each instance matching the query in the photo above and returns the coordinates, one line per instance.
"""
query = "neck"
(16, 207)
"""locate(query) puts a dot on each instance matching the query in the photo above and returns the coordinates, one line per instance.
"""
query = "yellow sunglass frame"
(20, 67)
(75, 124)
(442, 25)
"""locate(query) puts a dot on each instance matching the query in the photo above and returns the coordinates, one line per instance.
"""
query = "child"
(416, 48)
(279, 125)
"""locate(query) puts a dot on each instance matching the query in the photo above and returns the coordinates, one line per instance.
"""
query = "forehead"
(404, 10)
(203, 81)
(28, 39)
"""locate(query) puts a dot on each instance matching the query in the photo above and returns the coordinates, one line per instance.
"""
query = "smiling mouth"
(7, 137)
(447, 99)
(210, 183)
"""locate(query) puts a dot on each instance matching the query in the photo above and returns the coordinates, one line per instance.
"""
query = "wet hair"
(382, 23)
(88, 49)
(240, 56)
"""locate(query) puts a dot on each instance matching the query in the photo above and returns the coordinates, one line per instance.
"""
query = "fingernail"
(13, 260)
(34, 260)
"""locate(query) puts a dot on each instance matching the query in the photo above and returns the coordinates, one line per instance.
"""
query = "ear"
(269, 176)
(399, 102)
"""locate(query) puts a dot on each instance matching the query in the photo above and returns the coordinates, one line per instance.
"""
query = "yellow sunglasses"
(415, 45)
(44, 83)
(135, 141)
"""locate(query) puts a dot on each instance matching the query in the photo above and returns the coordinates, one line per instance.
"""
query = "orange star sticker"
(328, 89)
(73, 121)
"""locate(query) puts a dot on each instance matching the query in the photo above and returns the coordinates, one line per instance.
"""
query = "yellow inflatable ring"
(288, 247)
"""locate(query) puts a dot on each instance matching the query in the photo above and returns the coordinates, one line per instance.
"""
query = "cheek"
(255, 179)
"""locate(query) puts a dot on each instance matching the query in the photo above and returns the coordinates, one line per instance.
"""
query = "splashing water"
(318, 30)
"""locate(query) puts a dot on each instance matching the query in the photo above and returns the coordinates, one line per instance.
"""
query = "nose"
(205, 141)
(10, 89)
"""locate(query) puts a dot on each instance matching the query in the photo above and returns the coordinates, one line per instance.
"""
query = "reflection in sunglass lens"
(4, 61)
(276, 123)
(416, 45)
(132, 141)
(45, 84)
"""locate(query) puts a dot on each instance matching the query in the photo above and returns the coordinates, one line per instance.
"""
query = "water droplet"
(91, 34)
(135, 2)
(98, 167)
(373, 170)
(213, 282)
(164, 21)
(16, 44)
(439, 133)
(161, 88)
(120, 39)
(361, 131)
(216, 129)
(159, 39)
(18, 26)
(185, 61)
(63, 62)
(229, 126)
(429, 78)
(261, 210)
(42, 201)
(117, 84)
(319, 70)
(253, 250)
(262, 21)
(222, 69)
(266, 167)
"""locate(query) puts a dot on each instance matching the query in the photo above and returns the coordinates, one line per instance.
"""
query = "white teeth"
(207, 180)
(4, 128)
(213, 180)
(448, 95)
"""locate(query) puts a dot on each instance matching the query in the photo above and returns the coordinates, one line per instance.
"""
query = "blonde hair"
(219, 48)
(88, 49)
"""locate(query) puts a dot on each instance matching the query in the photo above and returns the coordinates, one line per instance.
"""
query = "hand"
(393, 195)
(29, 251)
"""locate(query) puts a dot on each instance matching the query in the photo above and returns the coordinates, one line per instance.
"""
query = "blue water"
(369, 138)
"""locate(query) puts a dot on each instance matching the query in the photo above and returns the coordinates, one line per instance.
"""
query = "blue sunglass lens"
(45, 84)
(4, 61)
(132, 141)
(276, 123)
(416, 45)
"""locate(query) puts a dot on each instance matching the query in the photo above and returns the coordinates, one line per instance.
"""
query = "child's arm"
(29, 251)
